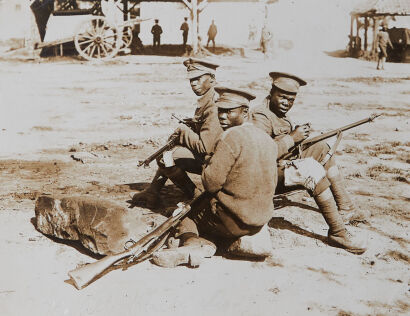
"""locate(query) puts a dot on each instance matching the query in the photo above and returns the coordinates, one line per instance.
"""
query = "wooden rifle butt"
(85, 274)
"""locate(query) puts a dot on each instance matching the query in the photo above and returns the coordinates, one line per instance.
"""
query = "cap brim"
(196, 74)
(228, 105)
(275, 75)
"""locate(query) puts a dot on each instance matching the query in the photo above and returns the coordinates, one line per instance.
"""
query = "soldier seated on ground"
(194, 144)
(316, 170)
(242, 192)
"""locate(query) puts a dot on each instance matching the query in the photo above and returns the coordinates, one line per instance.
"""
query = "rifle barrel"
(313, 140)
(310, 141)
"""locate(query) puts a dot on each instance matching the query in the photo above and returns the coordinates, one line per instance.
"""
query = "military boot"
(344, 203)
(337, 235)
(150, 197)
(257, 246)
(192, 253)
(180, 178)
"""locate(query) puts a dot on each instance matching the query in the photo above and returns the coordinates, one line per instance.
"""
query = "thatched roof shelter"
(372, 13)
(372, 8)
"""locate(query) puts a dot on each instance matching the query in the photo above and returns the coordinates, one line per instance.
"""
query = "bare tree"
(195, 7)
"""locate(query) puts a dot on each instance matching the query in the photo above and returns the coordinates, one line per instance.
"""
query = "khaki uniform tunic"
(278, 128)
(242, 177)
(242, 173)
(195, 145)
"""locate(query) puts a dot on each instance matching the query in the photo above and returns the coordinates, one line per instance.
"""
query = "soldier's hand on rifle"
(182, 131)
(300, 133)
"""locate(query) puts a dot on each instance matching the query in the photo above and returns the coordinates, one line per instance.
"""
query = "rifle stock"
(84, 275)
(313, 140)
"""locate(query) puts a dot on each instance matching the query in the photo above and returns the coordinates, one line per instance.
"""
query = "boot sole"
(356, 251)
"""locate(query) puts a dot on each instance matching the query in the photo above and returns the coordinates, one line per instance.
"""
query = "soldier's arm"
(203, 142)
(389, 42)
(284, 143)
(260, 119)
(215, 173)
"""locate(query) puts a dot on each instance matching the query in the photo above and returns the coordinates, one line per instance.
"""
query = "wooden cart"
(98, 32)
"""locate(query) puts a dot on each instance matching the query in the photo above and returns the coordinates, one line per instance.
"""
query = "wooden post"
(357, 34)
(194, 11)
(125, 9)
(351, 34)
(366, 25)
(34, 36)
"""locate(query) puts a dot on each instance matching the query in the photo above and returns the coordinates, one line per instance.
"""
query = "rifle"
(140, 250)
(172, 142)
(313, 140)
(190, 122)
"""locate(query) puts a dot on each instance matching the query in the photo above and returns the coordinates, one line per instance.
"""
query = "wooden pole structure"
(34, 36)
(357, 34)
(351, 34)
(366, 25)
(194, 11)
(125, 9)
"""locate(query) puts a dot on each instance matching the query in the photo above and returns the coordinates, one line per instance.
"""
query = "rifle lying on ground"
(338, 131)
(140, 250)
(172, 142)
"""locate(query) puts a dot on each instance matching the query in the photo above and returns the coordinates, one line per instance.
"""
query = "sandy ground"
(119, 112)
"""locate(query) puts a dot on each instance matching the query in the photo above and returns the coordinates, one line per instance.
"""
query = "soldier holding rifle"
(241, 192)
(193, 144)
(316, 169)
(240, 178)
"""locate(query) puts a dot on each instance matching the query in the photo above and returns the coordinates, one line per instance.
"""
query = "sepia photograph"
(204, 157)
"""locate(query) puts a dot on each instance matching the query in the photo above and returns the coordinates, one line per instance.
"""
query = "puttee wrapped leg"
(337, 235)
(344, 204)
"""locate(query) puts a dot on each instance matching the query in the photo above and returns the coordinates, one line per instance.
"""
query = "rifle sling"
(332, 150)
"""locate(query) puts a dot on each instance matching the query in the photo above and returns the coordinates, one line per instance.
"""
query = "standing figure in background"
(185, 29)
(266, 37)
(252, 31)
(212, 33)
(156, 33)
(383, 40)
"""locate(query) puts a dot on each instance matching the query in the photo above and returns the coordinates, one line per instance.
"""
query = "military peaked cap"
(197, 67)
(286, 82)
(232, 98)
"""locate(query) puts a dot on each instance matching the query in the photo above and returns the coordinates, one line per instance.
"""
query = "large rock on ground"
(101, 226)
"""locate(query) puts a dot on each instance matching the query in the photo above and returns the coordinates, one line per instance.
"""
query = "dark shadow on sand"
(169, 197)
(281, 223)
(72, 243)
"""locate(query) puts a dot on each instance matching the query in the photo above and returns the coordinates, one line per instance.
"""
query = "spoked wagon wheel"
(126, 37)
(97, 40)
